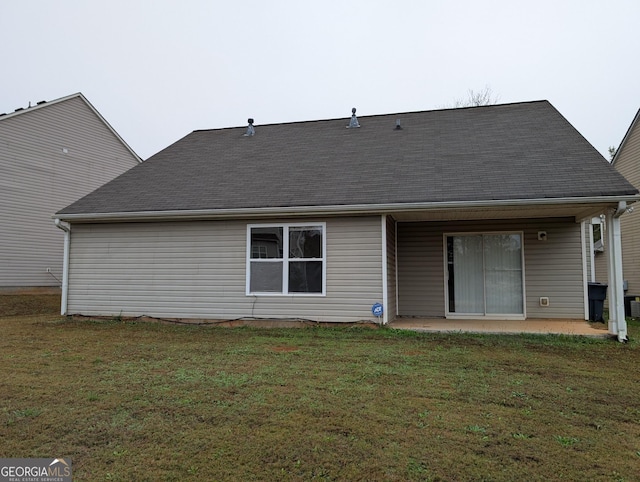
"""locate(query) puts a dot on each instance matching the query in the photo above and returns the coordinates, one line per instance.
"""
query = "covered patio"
(553, 241)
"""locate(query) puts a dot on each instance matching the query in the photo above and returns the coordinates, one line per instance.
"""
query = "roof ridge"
(371, 116)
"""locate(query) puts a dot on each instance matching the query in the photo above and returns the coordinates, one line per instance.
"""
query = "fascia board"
(271, 212)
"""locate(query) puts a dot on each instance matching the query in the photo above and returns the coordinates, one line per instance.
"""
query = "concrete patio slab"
(537, 326)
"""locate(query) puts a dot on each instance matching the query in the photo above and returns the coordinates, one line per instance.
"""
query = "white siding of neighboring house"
(38, 178)
(627, 162)
(553, 268)
(197, 270)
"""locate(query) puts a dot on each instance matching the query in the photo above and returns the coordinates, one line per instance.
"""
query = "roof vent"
(42, 102)
(354, 120)
(398, 125)
(19, 109)
(250, 130)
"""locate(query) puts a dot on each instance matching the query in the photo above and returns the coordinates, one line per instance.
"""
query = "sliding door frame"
(494, 316)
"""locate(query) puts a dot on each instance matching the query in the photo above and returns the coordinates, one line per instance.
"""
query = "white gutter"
(622, 208)
(339, 209)
(65, 266)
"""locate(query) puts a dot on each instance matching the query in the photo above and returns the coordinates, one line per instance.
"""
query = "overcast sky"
(158, 69)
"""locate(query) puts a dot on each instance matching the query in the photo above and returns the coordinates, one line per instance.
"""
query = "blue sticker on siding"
(377, 309)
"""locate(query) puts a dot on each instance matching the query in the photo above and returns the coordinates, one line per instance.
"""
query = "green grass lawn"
(144, 401)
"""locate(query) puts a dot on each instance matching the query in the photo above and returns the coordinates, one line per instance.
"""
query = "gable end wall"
(628, 164)
(39, 178)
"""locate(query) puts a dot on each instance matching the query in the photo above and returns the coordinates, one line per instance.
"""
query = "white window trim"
(459, 316)
(285, 260)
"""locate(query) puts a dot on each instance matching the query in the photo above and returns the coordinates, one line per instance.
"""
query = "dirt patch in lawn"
(29, 304)
(285, 349)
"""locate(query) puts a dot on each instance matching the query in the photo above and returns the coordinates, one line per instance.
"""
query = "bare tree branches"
(477, 98)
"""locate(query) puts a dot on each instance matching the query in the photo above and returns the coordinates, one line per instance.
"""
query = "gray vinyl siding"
(197, 270)
(391, 269)
(420, 269)
(38, 179)
(553, 268)
(628, 164)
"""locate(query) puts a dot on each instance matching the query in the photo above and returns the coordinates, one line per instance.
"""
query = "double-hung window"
(286, 259)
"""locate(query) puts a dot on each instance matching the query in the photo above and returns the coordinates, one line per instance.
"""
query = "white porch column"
(385, 281)
(585, 279)
(617, 321)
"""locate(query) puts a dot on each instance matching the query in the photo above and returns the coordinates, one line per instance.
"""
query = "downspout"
(617, 320)
(65, 265)
(622, 208)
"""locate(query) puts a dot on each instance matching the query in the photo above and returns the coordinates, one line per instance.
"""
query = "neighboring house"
(627, 162)
(51, 154)
(458, 213)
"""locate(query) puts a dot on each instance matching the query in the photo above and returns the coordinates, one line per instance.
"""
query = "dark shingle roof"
(501, 152)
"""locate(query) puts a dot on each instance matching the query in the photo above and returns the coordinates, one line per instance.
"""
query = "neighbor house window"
(597, 233)
(286, 259)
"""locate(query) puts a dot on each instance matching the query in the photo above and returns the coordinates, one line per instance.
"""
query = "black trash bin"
(597, 295)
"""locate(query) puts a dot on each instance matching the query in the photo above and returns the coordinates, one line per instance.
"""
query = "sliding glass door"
(485, 274)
